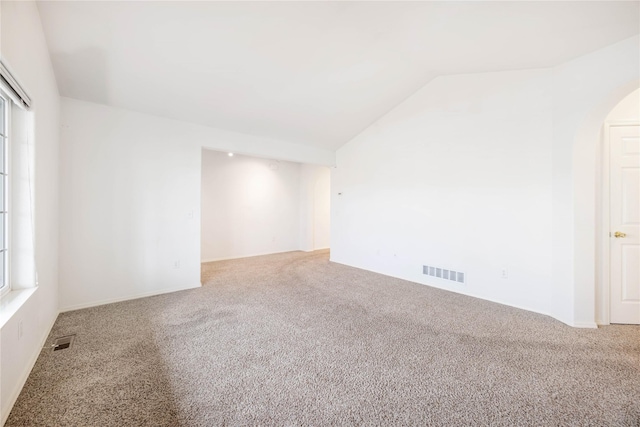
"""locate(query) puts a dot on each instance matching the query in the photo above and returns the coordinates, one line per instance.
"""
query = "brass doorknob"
(619, 234)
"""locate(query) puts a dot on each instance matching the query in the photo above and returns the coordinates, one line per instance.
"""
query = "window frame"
(4, 222)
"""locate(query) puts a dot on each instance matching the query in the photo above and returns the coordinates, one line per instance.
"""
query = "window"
(5, 105)
(16, 132)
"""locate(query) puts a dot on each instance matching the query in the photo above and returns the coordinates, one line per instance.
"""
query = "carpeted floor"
(291, 339)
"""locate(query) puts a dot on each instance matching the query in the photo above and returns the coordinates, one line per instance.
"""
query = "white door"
(624, 192)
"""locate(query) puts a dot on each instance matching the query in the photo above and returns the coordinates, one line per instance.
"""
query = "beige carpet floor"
(292, 339)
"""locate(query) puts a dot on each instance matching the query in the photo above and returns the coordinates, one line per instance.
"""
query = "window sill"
(11, 302)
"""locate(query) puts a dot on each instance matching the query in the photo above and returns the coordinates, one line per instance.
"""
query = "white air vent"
(443, 273)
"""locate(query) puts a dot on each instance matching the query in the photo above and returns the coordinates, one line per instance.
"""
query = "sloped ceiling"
(314, 73)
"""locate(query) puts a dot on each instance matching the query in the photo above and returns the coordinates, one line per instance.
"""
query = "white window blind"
(13, 88)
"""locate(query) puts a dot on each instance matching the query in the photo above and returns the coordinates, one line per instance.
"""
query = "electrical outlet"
(504, 273)
(176, 264)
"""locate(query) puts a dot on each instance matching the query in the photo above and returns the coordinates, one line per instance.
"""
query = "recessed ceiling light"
(230, 154)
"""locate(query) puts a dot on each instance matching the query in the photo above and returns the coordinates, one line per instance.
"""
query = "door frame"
(605, 261)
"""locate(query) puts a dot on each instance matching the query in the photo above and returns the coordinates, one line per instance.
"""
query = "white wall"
(322, 209)
(457, 176)
(130, 206)
(23, 46)
(131, 200)
(476, 173)
(627, 110)
(254, 206)
(250, 206)
(315, 196)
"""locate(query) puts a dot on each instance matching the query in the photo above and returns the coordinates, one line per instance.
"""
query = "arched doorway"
(590, 233)
(620, 284)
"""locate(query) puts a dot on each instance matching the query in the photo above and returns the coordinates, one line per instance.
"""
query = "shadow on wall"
(83, 74)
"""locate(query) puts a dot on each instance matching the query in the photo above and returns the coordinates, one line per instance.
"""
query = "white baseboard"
(126, 298)
(463, 292)
(314, 250)
(249, 256)
(589, 325)
(25, 374)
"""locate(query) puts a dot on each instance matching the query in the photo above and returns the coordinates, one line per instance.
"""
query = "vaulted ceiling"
(314, 73)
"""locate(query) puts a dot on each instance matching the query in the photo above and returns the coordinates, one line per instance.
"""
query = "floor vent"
(63, 342)
(443, 273)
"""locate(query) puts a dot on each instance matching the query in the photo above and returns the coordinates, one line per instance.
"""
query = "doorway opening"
(620, 290)
(255, 206)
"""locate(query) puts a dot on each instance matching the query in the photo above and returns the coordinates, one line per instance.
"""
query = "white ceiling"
(314, 73)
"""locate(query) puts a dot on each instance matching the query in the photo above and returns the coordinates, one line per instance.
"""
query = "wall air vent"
(63, 342)
(443, 273)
